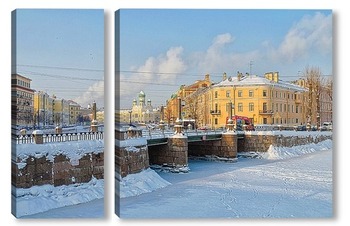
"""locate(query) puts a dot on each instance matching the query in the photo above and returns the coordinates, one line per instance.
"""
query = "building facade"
(265, 100)
(186, 95)
(141, 111)
(74, 112)
(22, 101)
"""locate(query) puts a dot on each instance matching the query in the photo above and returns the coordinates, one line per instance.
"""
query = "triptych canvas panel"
(218, 113)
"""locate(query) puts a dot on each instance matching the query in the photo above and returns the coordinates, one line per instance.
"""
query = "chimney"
(224, 76)
(207, 77)
(239, 76)
(276, 76)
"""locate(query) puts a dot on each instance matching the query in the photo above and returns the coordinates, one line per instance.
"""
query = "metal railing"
(157, 133)
(64, 137)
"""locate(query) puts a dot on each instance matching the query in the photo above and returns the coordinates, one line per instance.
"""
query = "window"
(216, 94)
(227, 93)
(296, 109)
(264, 120)
(276, 107)
(239, 93)
(240, 107)
(251, 106)
(296, 120)
(264, 93)
(251, 93)
(265, 107)
(216, 121)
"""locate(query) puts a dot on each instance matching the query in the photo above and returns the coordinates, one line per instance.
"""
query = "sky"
(163, 49)
(62, 51)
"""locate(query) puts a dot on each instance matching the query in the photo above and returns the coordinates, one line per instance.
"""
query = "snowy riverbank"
(39, 199)
(286, 183)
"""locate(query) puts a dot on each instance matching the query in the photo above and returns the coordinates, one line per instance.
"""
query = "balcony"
(215, 112)
(298, 101)
(265, 112)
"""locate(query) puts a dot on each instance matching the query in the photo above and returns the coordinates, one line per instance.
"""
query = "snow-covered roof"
(255, 80)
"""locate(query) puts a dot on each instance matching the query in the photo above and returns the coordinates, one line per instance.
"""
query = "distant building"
(171, 112)
(141, 111)
(22, 110)
(74, 112)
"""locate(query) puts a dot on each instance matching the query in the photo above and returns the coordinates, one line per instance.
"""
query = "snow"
(134, 142)
(39, 199)
(288, 152)
(286, 183)
(37, 132)
(74, 150)
(178, 135)
(291, 133)
(254, 80)
(145, 181)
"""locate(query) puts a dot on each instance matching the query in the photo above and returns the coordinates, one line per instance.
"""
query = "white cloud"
(310, 34)
(217, 59)
(94, 93)
(162, 69)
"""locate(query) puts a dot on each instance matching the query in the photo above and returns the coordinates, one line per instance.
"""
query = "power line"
(60, 68)
(213, 74)
(58, 76)
(149, 83)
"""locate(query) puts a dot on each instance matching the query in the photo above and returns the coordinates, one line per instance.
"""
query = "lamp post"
(130, 111)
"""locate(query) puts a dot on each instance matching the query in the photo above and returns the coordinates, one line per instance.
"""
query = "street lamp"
(130, 111)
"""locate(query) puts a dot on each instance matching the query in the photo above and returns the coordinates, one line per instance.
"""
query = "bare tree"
(192, 108)
(168, 114)
(314, 85)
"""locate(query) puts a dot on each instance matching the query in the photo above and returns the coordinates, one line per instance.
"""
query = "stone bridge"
(174, 150)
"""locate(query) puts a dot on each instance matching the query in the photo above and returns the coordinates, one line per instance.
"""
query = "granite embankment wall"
(261, 141)
(57, 164)
(131, 156)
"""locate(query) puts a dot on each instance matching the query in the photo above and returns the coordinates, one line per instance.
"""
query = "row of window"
(21, 94)
(274, 121)
(274, 108)
(20, 83)
(264, 94)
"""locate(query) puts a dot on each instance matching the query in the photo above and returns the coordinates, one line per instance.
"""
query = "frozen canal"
(296, 187)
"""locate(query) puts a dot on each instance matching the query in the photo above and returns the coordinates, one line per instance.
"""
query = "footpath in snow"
(283, 183)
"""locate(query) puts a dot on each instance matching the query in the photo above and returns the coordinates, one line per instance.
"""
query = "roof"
(254, 80)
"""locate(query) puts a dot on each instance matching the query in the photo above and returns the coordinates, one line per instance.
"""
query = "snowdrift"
(288, 152)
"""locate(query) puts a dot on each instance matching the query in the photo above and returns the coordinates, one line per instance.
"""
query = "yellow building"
(43, 109)
(185, 94)
(74, 112)
(60, 111)
(265, 100)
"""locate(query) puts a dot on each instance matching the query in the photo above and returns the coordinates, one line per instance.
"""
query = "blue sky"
(62, 51)
(180, 46)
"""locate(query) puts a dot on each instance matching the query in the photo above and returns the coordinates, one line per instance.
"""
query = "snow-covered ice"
(294, 185)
